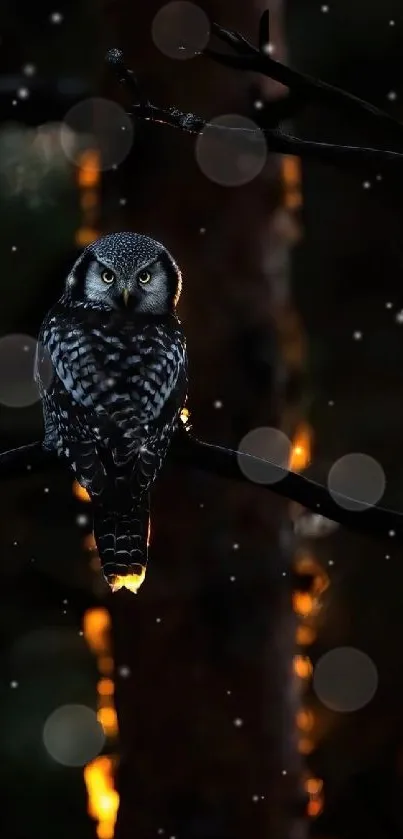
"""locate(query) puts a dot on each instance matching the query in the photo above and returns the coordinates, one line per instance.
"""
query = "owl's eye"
(108, 276)
(144, 277)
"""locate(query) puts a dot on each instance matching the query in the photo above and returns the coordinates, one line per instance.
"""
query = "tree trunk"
(206, 717)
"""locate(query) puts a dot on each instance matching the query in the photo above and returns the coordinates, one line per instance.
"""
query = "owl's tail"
(122, 541)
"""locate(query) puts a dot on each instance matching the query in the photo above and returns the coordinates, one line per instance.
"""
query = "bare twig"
(259, 60)
(303, 89)
(372, 520)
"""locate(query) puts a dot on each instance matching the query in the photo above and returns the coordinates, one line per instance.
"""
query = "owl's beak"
(126, 295)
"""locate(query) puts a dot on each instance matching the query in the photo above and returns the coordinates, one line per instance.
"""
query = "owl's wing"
(124, 381)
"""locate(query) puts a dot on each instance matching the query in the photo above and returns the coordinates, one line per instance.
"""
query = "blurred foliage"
(39, 212)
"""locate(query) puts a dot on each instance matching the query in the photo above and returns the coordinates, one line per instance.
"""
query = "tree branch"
(303, 89)
(259, 60)
(191, 453)
(217, 460)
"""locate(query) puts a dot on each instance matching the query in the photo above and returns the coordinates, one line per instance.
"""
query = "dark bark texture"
(207, 716)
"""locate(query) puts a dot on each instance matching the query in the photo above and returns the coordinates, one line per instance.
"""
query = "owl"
(119, 382)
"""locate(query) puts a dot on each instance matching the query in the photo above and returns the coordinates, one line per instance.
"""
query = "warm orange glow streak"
(302, 666)
(105, 831)
(305, 635)
(306, 746)
(89, 173)
(96, 625)
(313, 786)
(314, 807)
(131, 581)
(305, 720)
(304, 604)
(85, 236)
(89, 199)
(291, 167)
(149, 533)
(103, 800)
(80, 492)
(320, 583)
(306, 564)
(107, 718)
(293, 199)
(105, 665)
(106, 687)
(300, 455)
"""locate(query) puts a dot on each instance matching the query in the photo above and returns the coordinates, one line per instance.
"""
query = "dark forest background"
(218, 713)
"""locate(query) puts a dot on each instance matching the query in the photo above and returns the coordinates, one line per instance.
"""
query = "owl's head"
(126, 271)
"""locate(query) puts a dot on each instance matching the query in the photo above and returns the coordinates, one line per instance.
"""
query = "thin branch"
(260, 61)
(303, 87)
(217, 460)
(191, 453)
(26, 460)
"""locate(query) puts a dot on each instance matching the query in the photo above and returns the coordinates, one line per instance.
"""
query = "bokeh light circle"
(269, 444)
(356, 481)
(18, 388)
(231, 150)
(72, 735)
(345, 679)
(98, 125)
(180, 30)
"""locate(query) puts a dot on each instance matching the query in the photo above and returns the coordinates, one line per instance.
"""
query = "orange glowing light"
(96, 625)
(320, 583)
(105, 687)
(305, 635)
(314, 807)
(302, 666)
(293, 199)
(300, 455)
(107, 718)
(105, 830)
(305, 720)
(131, 581)
(80, 492)
(105, 665)
(184, 416)
(291, 167)
(313, 786)
(89, 173)
(304, 604)
(103, 800)
(85, 236)
(306, 746)
(149, 533)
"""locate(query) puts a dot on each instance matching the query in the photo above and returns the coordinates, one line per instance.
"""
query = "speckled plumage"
(119, 383)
